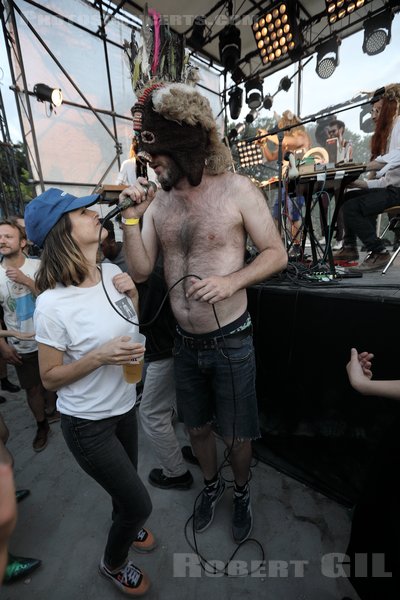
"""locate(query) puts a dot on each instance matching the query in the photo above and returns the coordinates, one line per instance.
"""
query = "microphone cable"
(228, 451)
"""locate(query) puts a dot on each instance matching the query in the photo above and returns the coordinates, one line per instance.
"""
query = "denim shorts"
(218, 385)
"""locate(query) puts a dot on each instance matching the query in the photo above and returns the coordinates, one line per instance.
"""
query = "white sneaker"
(338, 245)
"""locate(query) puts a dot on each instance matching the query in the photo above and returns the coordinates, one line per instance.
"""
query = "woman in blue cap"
(84, 338)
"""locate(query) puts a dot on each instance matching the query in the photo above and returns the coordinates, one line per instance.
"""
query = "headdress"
(172, 117)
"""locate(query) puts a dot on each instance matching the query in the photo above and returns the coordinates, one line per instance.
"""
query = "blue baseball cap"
(44, 211)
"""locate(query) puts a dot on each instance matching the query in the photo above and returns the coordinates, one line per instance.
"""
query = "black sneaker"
(182, 482)
(188, 455)
(242, 520)
(8, 386)
(205, 506)
(129, 579)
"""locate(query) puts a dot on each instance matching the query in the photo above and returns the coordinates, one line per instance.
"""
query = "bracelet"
(129, 221)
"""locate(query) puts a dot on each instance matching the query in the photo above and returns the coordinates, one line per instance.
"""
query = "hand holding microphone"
(137, 196)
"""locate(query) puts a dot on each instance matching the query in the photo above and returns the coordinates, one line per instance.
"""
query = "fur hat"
(176, 120)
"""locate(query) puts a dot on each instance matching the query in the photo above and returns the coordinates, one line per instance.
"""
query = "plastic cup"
(133, 370)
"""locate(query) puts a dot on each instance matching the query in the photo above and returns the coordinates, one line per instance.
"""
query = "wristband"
(129, 221)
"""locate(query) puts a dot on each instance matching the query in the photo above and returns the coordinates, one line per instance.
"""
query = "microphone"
(127, 202)
(292, 171)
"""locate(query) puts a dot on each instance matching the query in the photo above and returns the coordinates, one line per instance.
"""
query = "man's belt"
(230, 340)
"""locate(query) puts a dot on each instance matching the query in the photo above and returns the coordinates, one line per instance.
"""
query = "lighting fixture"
(342, 8)
(268, 101)
(197, 38)
(254, 93)
(285, 83)
(45, 93)
(276, 32)
(252, 115)
(235, 131)
(377, 33)
(250, 154)
(229, 46)
(235, 102)
(327, 57)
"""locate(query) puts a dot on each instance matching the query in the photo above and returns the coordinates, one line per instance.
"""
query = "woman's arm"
(360, 377)
(55, 374)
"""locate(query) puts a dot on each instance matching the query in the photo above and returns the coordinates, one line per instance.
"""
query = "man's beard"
(171, 175)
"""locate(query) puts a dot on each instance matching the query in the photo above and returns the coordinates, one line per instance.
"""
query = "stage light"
(251, 116)
(327, 58)
(377, 33)
(229, 47)
(285, 83)
(342, 8)
(238, 75)
(277, 33)
(254, 93)
(197, 38)
(250, 154)
(235, 102)
(235, 131)
(268, 101)
(45, 93)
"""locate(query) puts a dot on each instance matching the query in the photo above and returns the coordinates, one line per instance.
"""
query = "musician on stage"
(379, 193)
(295, 140)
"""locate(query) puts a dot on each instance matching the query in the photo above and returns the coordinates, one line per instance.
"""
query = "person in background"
(17, 298)
(127, 173)
(158, 399)
(375, 528)
(376, 194)
(12, 567)
(295, 140)
(84, 337)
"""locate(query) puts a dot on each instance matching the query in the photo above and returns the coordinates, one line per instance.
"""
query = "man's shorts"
(28, 373)
(215, 381)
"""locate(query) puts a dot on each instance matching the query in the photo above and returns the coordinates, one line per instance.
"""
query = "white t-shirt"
(77, 320)
(127, 174)
(390, 173)
(18, 304)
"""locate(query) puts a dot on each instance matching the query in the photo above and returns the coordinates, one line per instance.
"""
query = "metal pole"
(18, 54)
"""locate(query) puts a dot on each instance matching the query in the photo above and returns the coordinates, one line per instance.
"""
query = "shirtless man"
(200, 219)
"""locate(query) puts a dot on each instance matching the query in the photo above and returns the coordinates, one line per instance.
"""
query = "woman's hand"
(119, 351)
(359, 369)
(123, 283)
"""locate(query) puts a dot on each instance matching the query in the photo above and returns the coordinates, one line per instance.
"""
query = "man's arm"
(140, 246)
(272, 257)
(19, 277)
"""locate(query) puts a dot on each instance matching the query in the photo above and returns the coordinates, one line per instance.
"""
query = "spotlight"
(268, 100)
(285, 84)
(327, 58)
(229, 46)
(197, 38)
(238, 75)
(342, 8)
(253, 114)
(235, 102)
(235, 131)
(377, 33)
(250, 154)
(254, 93)
(276, 32)
(45, 93)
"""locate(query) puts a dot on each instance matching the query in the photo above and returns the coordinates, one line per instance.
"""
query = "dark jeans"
(204, 380)
(107, 450)
(360, 210)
